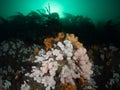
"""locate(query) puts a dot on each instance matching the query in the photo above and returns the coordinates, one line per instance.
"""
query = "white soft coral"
(71, 63)
(68, 75)
(48, 82)
(79, 52)
(58, 54)
(85, 66)
(53, 66)
(25, 86)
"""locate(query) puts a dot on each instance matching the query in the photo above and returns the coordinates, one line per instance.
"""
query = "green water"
(95, 9)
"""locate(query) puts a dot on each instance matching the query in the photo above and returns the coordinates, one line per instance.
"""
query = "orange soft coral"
(36, 50)
(82, 81)
(71, 37)
(67, 86)
(90, 54)
(74, 40)
(48, 40)
(60, 36)
(48, 43)
(4, 88)
(77, 44)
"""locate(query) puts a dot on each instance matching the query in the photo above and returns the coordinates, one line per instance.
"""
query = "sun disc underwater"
(54, 7)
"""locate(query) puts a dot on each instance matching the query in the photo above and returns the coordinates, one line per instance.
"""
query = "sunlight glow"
(54, 7)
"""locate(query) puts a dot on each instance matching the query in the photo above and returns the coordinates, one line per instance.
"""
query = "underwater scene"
(60, 45)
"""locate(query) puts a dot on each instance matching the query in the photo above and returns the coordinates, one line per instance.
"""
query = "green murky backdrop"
(94, 9)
